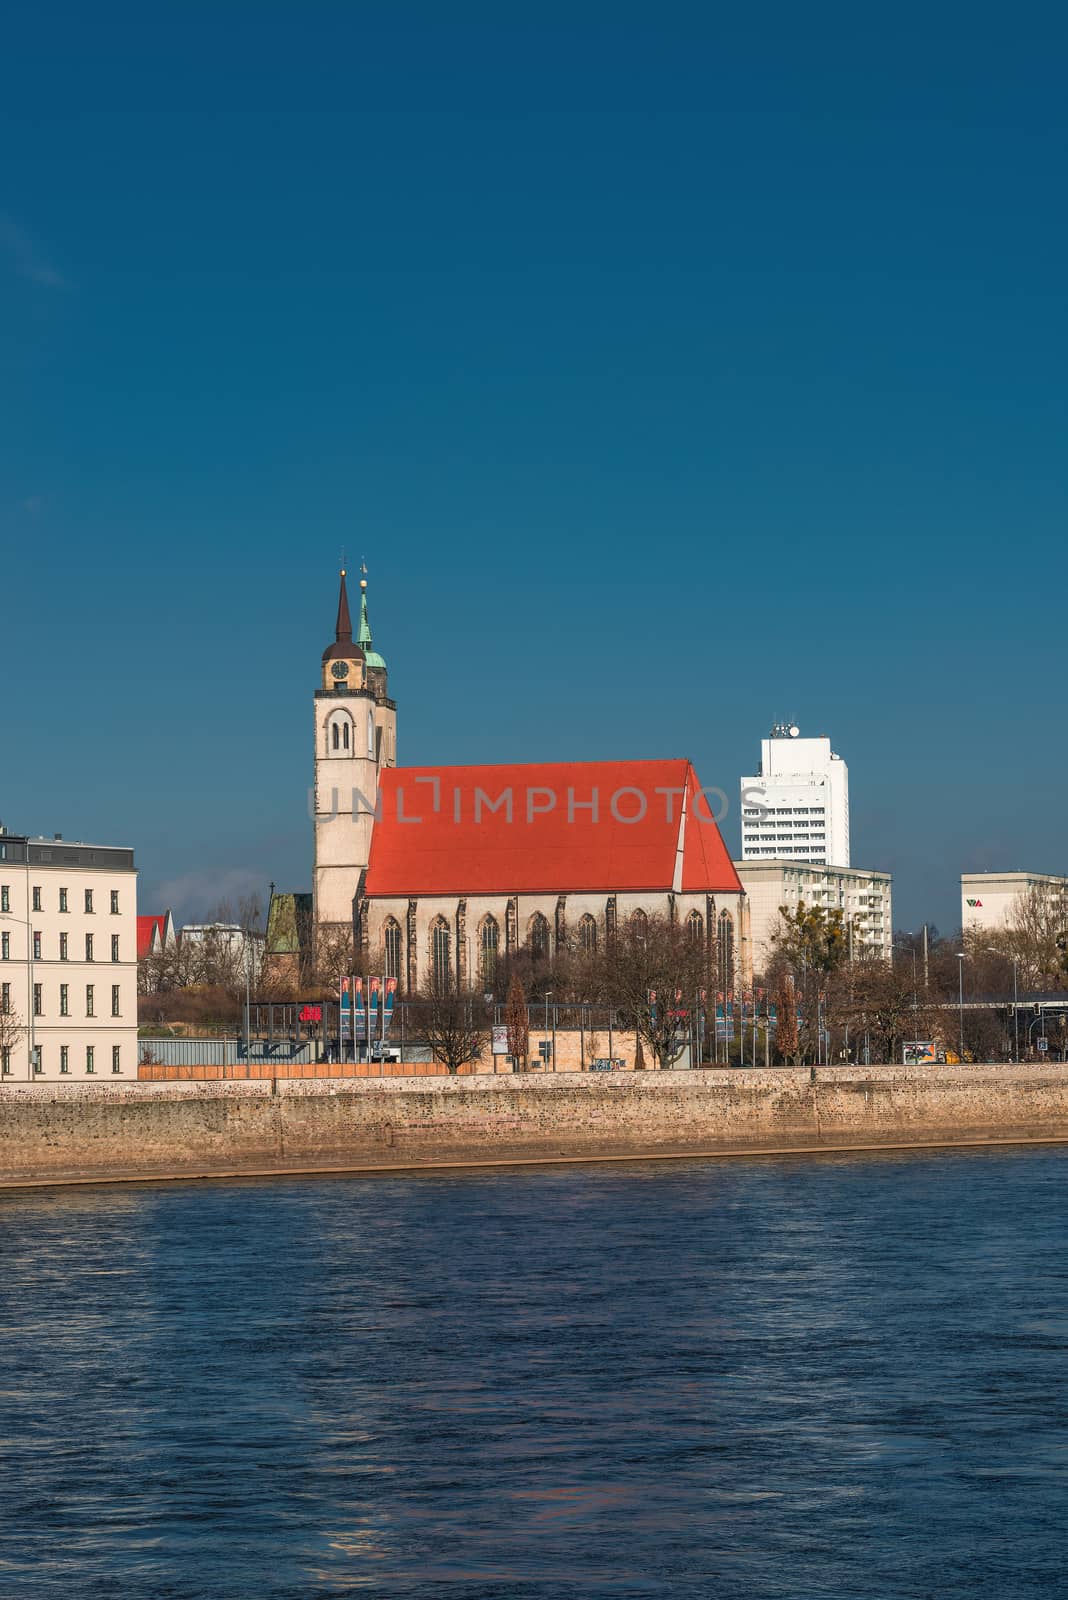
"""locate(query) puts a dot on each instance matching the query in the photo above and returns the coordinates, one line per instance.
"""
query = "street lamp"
(990, 951)
(548, 997)
(897, 945)
(960, 972)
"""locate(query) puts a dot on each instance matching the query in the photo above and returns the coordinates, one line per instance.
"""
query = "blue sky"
(676, 369)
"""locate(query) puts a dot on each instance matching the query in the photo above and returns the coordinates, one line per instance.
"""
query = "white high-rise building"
(797, 808)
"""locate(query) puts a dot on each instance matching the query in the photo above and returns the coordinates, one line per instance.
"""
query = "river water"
(761, 1378)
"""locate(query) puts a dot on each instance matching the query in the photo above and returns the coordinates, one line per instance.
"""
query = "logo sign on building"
(500, 1041)
(919, 1053)
(973, 903)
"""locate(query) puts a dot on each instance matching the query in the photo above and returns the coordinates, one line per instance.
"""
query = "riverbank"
(99, 1132)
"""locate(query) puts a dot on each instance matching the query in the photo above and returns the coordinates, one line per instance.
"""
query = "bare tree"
(335, 956)
(518, 1028)
(787, 1042)
(651, 975)
(453, 1024)
(12, 1029)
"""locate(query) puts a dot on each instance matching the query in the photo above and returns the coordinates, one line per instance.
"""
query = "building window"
(115, 902)
(489, 946)
(115, 1012)
(38, 1001)
(36, 898)
(37, 947)
(391, 940)
(370, 736)
(5, 998)
(538, 937)
(5, 947)
(63, 906)
(640, 923)
(88, 947)
(5, 897)
(440, 962)
(89, 1002)
(90, 1058)
(64, 999)
(335, 737)
(588, 935)
(114, 947)
(88, 899)
(696, 927)
(64, 1058)
(116, 1058)
(64, 947)
(5, 1061)
(38, 1060)
(725, 951)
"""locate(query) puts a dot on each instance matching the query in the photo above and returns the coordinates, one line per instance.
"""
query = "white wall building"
(239, 948)
(988, 899)
(68, 960)
(797, 807)
(864, 898)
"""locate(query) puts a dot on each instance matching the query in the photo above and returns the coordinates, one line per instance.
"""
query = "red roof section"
(466, 843)
(146, 926)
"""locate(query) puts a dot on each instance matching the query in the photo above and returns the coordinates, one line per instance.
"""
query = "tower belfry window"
(336, 736)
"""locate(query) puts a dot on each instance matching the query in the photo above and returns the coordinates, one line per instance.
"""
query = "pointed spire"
(343, 634)
(366, 642)
(365, 621)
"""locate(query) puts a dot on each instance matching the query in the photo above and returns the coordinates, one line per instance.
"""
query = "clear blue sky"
(676, 368)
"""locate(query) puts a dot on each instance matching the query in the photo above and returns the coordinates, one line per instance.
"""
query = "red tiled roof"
(146, 926)
(552, 843)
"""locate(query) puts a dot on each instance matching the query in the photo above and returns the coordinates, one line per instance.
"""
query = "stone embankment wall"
(60, 1131)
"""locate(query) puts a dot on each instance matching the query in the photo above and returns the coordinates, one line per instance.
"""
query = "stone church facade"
(442, 872)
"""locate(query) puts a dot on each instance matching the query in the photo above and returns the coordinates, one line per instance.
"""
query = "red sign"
(311, 1014)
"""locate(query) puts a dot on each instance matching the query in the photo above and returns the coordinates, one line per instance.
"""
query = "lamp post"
(897, 945)
(990, 951)
(548, 997)
(960, 973)
(7, 916)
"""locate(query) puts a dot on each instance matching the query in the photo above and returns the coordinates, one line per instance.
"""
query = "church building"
(442, 871)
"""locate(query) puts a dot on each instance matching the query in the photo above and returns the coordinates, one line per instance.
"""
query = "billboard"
(919, 1053)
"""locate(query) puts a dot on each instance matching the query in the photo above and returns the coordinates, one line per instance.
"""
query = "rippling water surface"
(830, 1377)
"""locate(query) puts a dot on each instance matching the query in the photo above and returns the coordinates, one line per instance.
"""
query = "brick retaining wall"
(183, 1127)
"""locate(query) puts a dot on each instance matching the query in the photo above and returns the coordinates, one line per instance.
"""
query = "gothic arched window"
(391, 946)
(696, 926)
(489, 946)
(440, 957)
(345, 735)
(538, 937)
(588, 935)
(335, 736)
(370, 736)
(640, 923)
(725, 950)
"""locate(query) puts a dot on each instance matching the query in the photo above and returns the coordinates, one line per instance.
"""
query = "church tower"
(355, 737)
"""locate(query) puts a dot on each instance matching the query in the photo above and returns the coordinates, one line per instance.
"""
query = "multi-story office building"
(989, 900)
(68, 961)
(797, 807)
(864, 899)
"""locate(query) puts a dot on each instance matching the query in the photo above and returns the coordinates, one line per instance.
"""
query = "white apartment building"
(988, 899)
(797, 807)
(68, 961)
(864, 898)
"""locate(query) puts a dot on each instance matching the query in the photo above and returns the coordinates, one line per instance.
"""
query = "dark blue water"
(829, 1377)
